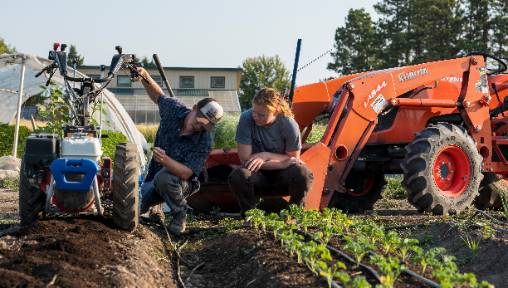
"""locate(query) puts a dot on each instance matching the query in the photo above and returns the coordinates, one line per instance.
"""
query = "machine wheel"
(364, 189)
(494, 186)
(442, 170)
(125, 192)
(31, 200)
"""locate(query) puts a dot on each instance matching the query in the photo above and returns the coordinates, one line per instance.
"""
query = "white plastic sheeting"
(115, 117)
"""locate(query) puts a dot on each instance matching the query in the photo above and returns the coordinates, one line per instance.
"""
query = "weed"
(11, 184)
(472, 243)
(393, 188)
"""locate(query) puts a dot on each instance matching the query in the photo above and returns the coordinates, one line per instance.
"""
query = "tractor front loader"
(441, 124)
(69, 174)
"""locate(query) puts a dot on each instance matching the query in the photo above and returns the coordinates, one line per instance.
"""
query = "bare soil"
(88, 251)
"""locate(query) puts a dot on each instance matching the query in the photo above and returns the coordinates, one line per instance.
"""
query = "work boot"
(178, 223)
(155, 214)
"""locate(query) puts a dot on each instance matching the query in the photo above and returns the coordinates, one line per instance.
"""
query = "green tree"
(500, 26)
(74, 56)
(436, 30)
(147, 63)
(393, 29)
(477, 24)
(355, 45)
(260, 72)
(5, 48)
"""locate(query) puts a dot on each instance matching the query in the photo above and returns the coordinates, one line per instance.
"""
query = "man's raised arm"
(153, 89)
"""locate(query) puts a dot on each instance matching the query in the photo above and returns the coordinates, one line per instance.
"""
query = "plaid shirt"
(190, 150)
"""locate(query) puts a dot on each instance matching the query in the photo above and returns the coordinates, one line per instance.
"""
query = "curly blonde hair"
(273, 100)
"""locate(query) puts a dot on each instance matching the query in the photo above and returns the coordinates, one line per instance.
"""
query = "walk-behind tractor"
(441, 124)
(69, 174)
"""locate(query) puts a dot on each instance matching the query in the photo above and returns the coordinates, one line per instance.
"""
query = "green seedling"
(472, 243)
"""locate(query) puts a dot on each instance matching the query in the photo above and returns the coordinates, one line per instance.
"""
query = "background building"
(189, 85)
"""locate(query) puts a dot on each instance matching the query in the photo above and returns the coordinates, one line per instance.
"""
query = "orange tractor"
(441, 124)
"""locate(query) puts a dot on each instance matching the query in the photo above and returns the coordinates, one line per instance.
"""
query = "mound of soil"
(83, 252)
(244, 258)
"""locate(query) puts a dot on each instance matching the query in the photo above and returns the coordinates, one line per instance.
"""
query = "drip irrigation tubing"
(408, 272)
(490, 217)
(343, 255)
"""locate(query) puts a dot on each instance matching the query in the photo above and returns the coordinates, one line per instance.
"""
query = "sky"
(188, 33)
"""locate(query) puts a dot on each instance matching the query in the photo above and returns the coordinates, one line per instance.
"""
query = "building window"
(94, 76)
(158, 80)
(123, 81)
(187, 82)
(218, 82)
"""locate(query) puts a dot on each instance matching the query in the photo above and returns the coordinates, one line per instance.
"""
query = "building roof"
(176, 68)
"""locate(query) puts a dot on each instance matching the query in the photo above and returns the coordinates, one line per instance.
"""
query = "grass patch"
(393, 188)
(11, 184)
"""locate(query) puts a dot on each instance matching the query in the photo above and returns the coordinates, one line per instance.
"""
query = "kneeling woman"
(269, 144)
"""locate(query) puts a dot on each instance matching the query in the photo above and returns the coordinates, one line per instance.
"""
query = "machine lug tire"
(420, 179)
(31, 199)
(494, 186)
(349, 202)
(125, 192)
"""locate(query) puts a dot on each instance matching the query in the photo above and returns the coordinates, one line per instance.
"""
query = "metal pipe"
(424, 102)
(295, 70)
(20, 101)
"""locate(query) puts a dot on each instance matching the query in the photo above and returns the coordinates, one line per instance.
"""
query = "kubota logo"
(373, 93)
(413, 74)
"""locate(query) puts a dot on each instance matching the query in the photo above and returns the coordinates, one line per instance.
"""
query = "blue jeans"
(165, 187)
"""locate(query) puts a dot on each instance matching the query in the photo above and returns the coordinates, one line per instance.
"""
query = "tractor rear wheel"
(442, 170)
(363, 190)
(31, 199)
(125, 192)
(494, 186)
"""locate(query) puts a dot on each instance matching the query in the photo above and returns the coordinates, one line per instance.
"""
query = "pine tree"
(499, 43)
(393, 29)
(74, 56)
(355, 45)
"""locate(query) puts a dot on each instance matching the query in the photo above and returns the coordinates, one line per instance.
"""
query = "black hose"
(492, 218)
(344, 255)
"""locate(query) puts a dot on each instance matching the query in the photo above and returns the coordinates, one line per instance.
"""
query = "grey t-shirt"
(282, 136)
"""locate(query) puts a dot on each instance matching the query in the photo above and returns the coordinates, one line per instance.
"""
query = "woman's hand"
(290, 161)
(254, 163)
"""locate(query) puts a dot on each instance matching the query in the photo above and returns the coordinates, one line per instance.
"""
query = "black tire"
(31, 200)
(125, 193)
(426, 184)
(493, 187)
(364, 190)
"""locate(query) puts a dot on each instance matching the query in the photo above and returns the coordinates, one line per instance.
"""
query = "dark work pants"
(168, 188)
(295, 181)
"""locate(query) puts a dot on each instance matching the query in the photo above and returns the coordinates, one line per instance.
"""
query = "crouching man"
(269, 144)
(182, 144)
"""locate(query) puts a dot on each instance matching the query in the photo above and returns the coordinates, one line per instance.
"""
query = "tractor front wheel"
(125, 192)
(363, 190)
(494, 188)
(442, 170)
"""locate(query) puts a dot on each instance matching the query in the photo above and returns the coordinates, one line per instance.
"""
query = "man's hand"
(159, 155)
(254, 163)
(143, 74)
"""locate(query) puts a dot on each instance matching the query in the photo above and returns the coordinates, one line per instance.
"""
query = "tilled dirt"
(244, 258)
(83, 252)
